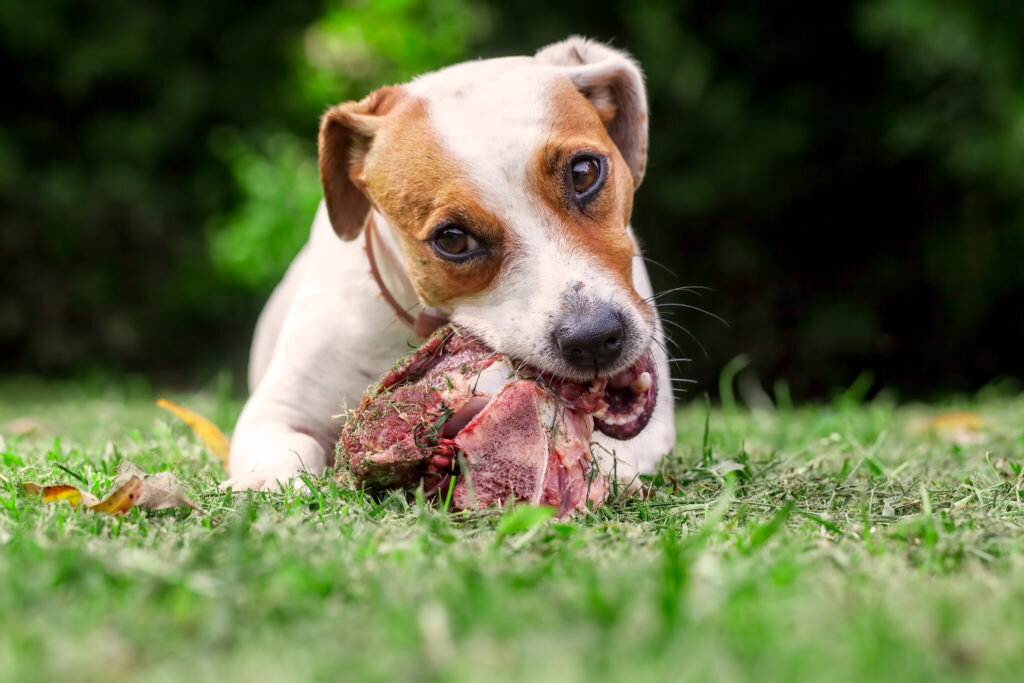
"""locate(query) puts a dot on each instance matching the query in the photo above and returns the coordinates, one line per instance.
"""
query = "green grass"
(842, 549)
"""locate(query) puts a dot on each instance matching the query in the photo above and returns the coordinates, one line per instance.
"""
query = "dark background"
(847, 176)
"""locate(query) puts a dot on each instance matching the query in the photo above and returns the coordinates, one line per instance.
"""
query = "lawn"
(832, 542)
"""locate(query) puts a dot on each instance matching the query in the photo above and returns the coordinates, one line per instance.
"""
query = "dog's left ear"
(346, 135)
(614, 84)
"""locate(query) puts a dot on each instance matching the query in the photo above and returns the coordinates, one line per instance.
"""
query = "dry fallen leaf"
(122, 499)
(207, 432)
(57, 492)
(162, 489)
(1011, 472)
(28, 425)
(117, 503)
(131, 487)
(962, 428)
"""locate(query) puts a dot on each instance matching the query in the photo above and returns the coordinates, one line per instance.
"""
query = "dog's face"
(510, 183)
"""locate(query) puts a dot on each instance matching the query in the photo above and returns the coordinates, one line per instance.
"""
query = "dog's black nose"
(592, 340)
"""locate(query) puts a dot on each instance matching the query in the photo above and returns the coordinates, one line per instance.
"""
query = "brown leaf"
(117, 503)
(162, 489)
(207, 432)
(1011, 472)
(122, 499)
(131, 487)
(28, 426)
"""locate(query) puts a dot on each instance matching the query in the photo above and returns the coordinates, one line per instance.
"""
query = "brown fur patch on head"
(614, 84)
(416, 183)
(599, 228)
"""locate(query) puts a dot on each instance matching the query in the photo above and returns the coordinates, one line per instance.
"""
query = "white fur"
(326, 333)
(336, 338)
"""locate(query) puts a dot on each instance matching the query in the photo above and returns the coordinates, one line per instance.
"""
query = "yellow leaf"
(207, 432)
(131, 487)
(952, 421)
(121, 500)
(963, 428)
(58, 492)
(116, 503)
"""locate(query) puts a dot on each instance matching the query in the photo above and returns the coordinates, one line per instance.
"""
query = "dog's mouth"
(621, 404)
(628, 401)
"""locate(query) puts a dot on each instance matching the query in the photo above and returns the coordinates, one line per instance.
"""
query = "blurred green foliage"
(107, 175)
(280, 188)
(848, 175)
(349, 51)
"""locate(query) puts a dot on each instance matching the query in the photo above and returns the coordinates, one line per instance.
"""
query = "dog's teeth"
(641, 383)
(634, 412)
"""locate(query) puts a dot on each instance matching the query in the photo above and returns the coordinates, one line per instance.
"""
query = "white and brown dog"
(496, 194)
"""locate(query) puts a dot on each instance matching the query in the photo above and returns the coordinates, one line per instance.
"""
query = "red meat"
(454, 408)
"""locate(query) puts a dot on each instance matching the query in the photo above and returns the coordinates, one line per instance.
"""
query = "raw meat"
(454, 408)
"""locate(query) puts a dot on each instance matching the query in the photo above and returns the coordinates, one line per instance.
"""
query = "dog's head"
(510, 184)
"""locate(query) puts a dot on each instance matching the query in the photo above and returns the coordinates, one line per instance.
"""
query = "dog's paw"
(272, 459)
(273, 481)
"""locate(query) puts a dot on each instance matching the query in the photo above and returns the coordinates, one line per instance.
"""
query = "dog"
(495, 194)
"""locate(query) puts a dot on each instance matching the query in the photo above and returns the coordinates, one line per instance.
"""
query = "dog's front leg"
(287, 425)
(336, 338)
(290, 423)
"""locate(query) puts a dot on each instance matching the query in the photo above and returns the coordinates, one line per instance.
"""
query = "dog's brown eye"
(585, 173)
(452, 241)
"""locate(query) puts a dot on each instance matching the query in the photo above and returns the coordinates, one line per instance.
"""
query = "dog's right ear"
(346, 135)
